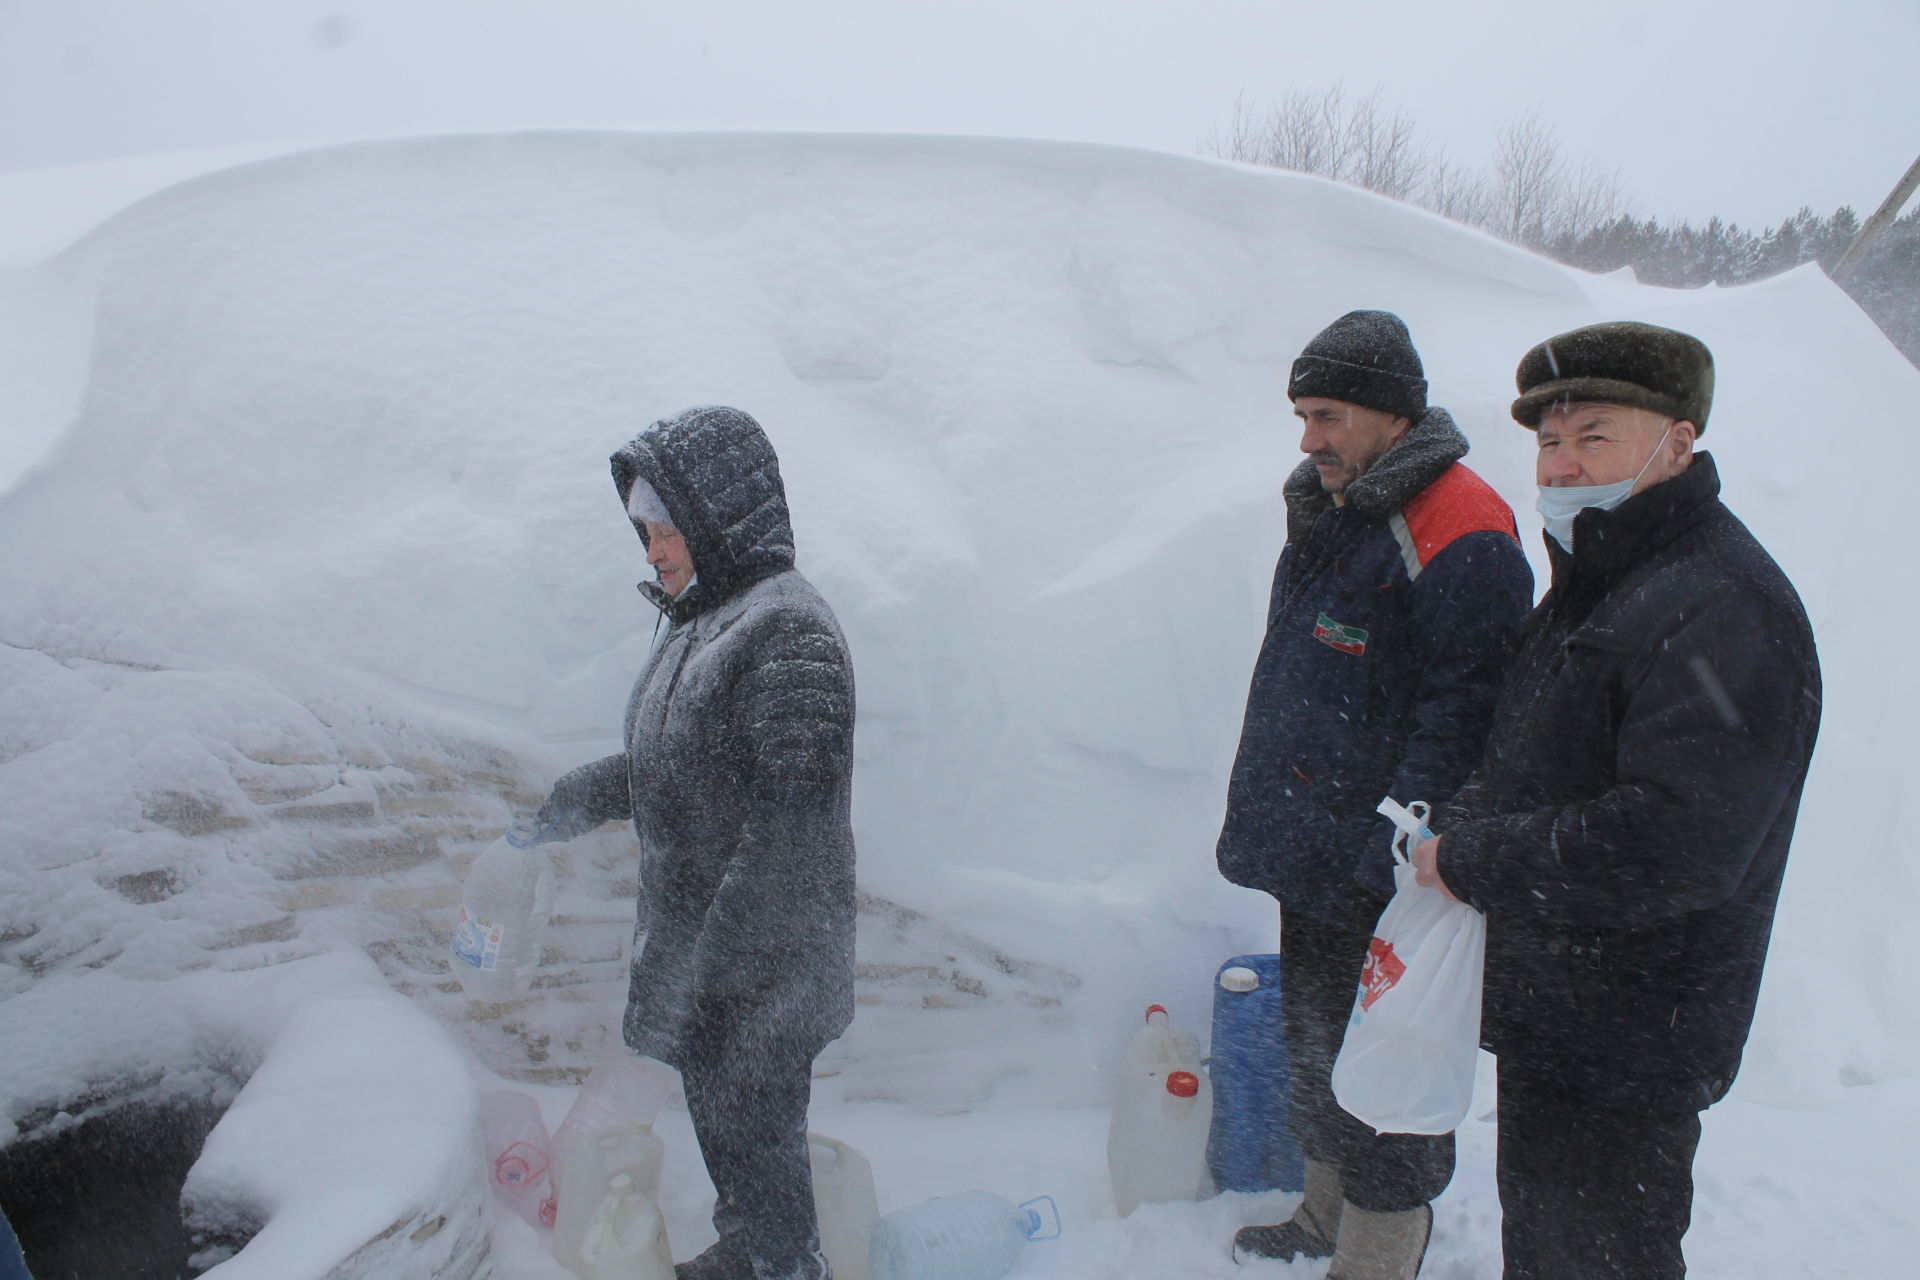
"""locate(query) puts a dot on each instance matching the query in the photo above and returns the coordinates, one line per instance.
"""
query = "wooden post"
(1882, 217)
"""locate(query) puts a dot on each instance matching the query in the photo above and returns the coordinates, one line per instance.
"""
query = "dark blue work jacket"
(1392, 621)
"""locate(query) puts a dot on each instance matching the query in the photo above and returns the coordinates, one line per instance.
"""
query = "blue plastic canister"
(1251, 1146)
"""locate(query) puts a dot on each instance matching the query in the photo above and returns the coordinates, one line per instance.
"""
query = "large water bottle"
(502, 925)
(972, 1236)
(626, 1238)
(1252, 1147)
(607, 1134)
(590, 1166)
(1163, 1104)
(844, 1201)
(623, 1089)
(514, 1139)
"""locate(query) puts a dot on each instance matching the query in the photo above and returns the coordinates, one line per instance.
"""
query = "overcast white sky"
(1746, 109)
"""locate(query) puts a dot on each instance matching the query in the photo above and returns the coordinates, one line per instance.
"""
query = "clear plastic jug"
(514, 1140)
(607, 1134)
(502, 925)
(844, 1200)
(972, 1236)
(626, 1238)
(622, 1089)
(1162, 1111)
(590, 1166)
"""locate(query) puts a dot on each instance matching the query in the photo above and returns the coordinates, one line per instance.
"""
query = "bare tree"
(1588, 201)
(1531, 197)
(1528, 178)
(1459, 193)
(1240, 138)
(1356, 140)
(1304, 133)
(1382, 153)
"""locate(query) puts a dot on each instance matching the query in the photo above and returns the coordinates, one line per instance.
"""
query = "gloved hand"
(586, 797)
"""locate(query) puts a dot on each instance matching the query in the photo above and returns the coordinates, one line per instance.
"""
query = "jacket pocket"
(1626, 985)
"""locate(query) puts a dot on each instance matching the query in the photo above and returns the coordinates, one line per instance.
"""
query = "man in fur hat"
(1626, 834)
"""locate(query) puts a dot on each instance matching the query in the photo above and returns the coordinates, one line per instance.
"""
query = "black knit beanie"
(1624, 362)
(1364, 358)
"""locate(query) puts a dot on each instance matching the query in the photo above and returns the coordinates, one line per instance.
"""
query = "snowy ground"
(314, 578)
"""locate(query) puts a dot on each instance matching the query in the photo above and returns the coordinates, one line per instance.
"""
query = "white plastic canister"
(626, 1238)
(1163, 1106)
(843, 1197)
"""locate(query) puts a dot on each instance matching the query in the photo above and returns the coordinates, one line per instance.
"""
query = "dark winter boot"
(813, 1267)
(1309, 1233)
(1381, 1246)
(724, 1259)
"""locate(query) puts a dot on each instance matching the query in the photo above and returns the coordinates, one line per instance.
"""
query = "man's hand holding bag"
(1407, 1062)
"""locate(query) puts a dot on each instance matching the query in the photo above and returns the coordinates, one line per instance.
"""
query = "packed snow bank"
(47, 209)
(342, 442)
(359, 1119)
(349, 1113)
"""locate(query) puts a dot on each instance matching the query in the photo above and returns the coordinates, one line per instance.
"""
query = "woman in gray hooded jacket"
(737, 776)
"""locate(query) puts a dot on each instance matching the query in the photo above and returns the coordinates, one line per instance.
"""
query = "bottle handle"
(1035, 1222)
(524, 835)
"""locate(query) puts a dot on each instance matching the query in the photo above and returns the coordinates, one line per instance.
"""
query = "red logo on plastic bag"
(1382, 970)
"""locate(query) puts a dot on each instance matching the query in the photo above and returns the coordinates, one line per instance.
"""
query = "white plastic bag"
(1406, 1064)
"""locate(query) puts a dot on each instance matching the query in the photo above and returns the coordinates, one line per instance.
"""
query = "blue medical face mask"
(1558, 506)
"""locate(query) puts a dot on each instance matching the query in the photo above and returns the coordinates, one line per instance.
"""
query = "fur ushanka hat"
(1624, 362)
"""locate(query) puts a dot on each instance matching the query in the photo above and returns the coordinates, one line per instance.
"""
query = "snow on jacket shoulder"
(738, 761)
(1392, 620)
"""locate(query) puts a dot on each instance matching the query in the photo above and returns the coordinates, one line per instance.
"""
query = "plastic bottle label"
(520, 1165)
(476, 940)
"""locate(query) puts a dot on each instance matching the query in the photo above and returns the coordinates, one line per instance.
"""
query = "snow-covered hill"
(323, 578)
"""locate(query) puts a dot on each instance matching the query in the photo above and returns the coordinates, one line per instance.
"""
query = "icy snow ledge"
(354, 1138)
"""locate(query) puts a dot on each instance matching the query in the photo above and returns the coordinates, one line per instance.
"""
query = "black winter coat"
(738, 766)
(1627, 832)
(1392, 620)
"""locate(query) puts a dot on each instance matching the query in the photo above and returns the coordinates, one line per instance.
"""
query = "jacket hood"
(1432, 444)
(715, 471)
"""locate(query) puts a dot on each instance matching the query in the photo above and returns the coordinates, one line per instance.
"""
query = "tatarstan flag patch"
(1346, 639)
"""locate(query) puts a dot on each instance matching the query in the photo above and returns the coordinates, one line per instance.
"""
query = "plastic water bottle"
(591, 1164)
(502, 925)
(844, 1200)
(623, 1089)
(514, 1138)
(972, 1236)
(626, 1238)
(1157, 1139)
(1252, 1147)
(607, 1135)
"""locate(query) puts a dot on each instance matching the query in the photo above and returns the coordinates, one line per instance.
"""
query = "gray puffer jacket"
(738, 766)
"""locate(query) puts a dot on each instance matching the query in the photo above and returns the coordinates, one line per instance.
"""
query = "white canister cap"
(1239, 978)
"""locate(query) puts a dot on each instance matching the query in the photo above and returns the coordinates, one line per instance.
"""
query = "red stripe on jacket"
(1456, 504)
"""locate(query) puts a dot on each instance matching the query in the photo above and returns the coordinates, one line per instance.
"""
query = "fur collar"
(1416, 460)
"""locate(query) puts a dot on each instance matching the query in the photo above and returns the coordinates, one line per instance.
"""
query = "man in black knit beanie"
(1396, 605)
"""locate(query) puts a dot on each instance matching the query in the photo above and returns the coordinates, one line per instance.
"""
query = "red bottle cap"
(1156, 1008)
(1183, 1084)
